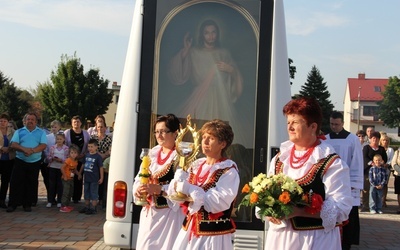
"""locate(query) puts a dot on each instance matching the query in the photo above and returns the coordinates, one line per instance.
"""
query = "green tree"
(317, 88)
(292, 70)
(389, 107)
(71, 92)
(14, 101)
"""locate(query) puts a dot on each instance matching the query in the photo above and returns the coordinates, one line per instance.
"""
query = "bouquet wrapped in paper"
(277, 195)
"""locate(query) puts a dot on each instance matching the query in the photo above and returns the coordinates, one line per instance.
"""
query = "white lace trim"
(328, 215)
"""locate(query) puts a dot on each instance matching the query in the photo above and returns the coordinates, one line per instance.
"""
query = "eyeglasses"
(10, 126)
(162, 132)
(360, 135)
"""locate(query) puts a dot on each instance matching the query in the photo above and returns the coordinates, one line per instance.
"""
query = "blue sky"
(342, 38)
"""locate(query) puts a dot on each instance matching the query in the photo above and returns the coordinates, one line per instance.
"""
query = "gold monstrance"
(187, 151)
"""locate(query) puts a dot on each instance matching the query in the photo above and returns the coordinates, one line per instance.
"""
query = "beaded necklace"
(200, 180)
(161, 161)
(301, 160)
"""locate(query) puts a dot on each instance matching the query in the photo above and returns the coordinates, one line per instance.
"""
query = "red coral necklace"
(200, 180)
(161, 161)
(301, 160)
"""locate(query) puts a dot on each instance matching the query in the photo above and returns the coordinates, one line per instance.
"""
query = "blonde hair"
(378, 156)
(384, 137)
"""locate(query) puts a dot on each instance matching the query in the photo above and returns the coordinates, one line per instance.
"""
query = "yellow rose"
(258, 189)
(262, 176)
(256, 181)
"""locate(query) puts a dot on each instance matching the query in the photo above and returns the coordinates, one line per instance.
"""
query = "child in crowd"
(69, 170)
(377, 178)
(93, 176)
(56, 157)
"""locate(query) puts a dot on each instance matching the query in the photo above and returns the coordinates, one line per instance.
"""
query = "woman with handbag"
(396, 173)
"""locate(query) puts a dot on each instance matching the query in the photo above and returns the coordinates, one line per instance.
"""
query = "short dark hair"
(29, 114)
(94, 142)
(5, 116)
(336, 114)
(76, 117)
(376, 134)
(171, 122)
(361, 132)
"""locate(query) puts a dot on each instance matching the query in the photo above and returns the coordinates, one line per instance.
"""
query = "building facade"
(112, 108)
(360, 105)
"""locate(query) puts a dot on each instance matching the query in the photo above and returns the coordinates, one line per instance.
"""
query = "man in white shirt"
(348, 147)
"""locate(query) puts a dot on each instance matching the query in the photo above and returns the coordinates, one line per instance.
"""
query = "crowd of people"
(71, 163)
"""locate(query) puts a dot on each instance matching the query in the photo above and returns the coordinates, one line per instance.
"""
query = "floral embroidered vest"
(311, 180)
(162, 177)
(207, 223)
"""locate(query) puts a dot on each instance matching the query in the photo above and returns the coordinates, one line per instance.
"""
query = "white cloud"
(305, 23)
(110, 16)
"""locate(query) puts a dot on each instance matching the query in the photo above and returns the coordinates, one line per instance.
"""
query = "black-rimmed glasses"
(162, 132)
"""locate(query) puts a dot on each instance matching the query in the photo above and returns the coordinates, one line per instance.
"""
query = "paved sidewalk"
(47, 228)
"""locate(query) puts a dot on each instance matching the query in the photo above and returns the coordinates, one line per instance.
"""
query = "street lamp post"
(359, 109)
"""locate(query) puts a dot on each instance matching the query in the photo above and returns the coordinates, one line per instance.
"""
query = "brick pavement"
(47, 228)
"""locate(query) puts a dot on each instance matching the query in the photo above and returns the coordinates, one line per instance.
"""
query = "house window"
(370, 110)
(377, 89)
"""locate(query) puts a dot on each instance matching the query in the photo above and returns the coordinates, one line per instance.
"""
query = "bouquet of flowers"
(277, 195)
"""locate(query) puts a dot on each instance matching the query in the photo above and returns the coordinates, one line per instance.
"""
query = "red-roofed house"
(364, 93)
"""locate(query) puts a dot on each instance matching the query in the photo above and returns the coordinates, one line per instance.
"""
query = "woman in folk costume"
(212, 183)
(160, 221)
(315, 166)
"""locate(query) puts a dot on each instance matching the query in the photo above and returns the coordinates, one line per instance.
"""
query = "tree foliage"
(71, 92)
(14, 101)
(389, 107)
(292, 70)
(317, 88)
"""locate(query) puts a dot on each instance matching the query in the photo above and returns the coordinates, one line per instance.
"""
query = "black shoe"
(3, 204)
(76, 202)
(84, 210)
(11, 209)
(91, 211)
(27, 209)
